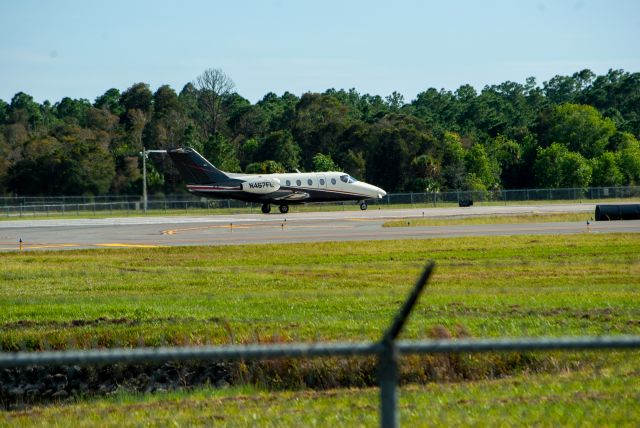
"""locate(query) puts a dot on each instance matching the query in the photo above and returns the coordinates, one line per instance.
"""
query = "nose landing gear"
(363, 205)
(266, 208)
(284, 208)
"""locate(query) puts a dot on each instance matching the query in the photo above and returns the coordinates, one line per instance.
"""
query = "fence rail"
(312, 350)
(387, 351)
(70, 205)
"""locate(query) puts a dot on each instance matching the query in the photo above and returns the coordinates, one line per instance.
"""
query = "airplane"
(204, 179)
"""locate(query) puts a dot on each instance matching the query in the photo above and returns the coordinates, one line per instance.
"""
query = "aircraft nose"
(373, 191)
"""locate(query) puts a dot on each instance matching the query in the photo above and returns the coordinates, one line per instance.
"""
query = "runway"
(149, 232)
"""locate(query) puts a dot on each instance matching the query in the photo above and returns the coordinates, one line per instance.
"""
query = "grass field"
(483, 286)
(492, 219)
(582, 398)
(545, 285)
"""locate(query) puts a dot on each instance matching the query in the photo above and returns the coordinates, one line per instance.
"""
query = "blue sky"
(52, 49)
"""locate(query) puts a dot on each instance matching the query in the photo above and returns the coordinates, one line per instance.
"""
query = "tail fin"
(195, 169)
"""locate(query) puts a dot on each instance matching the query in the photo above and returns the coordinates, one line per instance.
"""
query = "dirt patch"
(103, 321)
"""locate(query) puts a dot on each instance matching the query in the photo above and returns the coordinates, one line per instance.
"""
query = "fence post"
(388, 378)
(388, 358)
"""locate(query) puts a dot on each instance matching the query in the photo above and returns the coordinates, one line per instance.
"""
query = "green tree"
(4, 112)
(475, 184)
(221, 153)
(426, 173)
(166, 102)
(4, 163)
(606, 171)
(547, 167)
(266, 167)
(168, 122)
(509, 155)
(278, 112)
(73, 111)
(567, 89)
(110, 100)
(556, 166)
(438, 109)
(580, 128)
(629, 164)
(453, 162)
(575, 170)
(483, 168)
(324, 163)
(617, 95)
(23, 110)
(73, 161)
(249, 151)
(622, 140)
(191, 138)
(395, 101)
(279, 146)
(354, 162)
(319, 125)
(138, 97)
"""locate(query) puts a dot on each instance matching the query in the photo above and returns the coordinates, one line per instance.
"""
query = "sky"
(80, 49)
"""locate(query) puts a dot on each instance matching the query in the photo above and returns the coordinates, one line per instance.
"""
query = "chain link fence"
(36, 370)
(134, 205)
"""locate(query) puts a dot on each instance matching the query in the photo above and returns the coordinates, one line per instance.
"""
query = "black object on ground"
(618, 212)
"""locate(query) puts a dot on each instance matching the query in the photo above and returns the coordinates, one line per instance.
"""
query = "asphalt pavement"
(151, 231)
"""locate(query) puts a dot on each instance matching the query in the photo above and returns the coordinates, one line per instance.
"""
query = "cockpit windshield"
(347, 179)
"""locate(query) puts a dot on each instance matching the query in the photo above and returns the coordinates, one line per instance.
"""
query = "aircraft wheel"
(284, 209)
(266, 208)
(363, 205)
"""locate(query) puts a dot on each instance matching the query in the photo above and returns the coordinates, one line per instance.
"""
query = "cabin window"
(299, 183)
(310, 182)
(288, 182)
(333, 181)
(322, 181)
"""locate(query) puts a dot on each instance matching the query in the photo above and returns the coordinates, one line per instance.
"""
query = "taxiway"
(151, 231)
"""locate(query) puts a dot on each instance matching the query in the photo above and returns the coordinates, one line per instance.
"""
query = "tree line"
(571, 131)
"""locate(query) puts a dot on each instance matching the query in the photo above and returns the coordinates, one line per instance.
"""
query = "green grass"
(543, 285)
(492, 219)
(580, 398)
(483, 286)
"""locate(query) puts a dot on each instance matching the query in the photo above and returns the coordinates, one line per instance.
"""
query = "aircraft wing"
(289, 195)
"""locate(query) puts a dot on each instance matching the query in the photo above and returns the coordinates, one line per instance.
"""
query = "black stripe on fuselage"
(277, 197)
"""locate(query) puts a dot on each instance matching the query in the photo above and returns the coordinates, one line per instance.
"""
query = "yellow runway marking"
(26, 247)
(38, 246)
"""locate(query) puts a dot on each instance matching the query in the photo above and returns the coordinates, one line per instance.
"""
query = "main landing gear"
(266, 208)
(363, 205)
